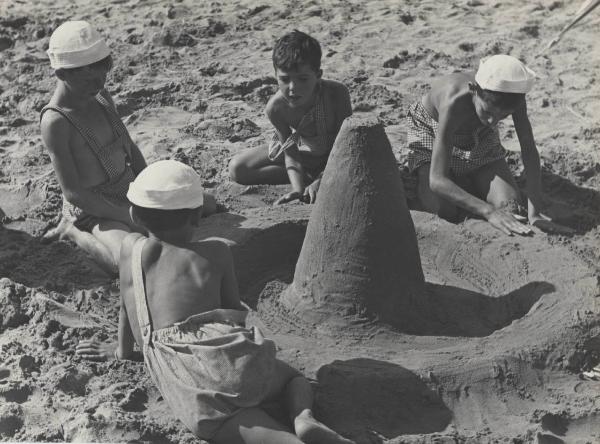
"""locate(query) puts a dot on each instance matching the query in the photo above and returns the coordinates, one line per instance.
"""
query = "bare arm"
(126, 341)
(342, 104)
(56, 134)
(439, 173)
(230, 296)
(531, 158)
(293, 167)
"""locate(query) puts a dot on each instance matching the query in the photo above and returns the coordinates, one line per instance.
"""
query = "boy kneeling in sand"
(90, 148)
(307, 113)
(180, 302)
(455, 146)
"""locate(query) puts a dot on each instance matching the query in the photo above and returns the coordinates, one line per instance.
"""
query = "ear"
(319, 73)
(474, 88)
(133, 216)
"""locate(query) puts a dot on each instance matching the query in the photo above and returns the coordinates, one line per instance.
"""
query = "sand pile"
(512, 321)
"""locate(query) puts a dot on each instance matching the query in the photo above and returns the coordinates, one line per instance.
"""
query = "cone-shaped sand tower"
(360, 259)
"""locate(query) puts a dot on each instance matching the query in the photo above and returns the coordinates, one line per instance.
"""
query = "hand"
(310, 192)
(507, 223)
(294, 195)
(93, 350)
(546, 224)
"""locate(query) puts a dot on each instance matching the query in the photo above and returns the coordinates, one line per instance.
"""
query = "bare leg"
(495, 183)
(98, 251)
(110, 234)
(298, 397)
(253, 166)
(57, 233)
(430, 201)
(254, 426)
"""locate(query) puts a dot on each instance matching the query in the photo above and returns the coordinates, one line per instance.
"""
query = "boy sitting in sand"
(91, 151)
(455, 146)
(307, 113)
(180, 303)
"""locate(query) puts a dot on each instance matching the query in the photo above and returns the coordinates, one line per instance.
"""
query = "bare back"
(450, 94)
(180, 281)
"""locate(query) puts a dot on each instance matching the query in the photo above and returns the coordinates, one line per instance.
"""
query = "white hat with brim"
(167, 185)
(504, 73)
(74, 44)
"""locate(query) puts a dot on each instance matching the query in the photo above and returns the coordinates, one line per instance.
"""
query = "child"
(455, 146)
(307, 113)
(90, 148)
(180, 302)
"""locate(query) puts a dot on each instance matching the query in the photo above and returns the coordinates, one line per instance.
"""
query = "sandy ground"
(514, 320)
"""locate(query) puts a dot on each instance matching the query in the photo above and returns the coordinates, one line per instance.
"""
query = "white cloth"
(167, 185)
(74, 44)
(504, 73)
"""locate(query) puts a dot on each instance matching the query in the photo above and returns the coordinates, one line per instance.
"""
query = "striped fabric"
(117, 184)
(469, 151)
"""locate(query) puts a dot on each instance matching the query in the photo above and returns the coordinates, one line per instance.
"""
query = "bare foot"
(93, 350)
(311, 431)
(57, 233)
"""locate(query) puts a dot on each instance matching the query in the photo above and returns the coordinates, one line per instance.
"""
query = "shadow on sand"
(374, 400)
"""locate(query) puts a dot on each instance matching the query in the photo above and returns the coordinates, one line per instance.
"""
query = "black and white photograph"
(300, 222)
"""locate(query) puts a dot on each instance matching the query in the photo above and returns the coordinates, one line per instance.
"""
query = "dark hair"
(162, 220)
(106, 64)
(502, 100)
(295, 48)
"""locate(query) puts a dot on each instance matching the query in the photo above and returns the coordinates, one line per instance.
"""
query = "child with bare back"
(455, 149)
(91, 151)
(307, 113)
(180, 304)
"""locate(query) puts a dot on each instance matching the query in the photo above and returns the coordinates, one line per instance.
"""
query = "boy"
(307, 113)
(455, 145)
(180, 303)
(90, 148)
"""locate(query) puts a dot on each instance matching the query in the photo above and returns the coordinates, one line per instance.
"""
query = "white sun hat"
(74, 44)
(167, 185)
(504, 73)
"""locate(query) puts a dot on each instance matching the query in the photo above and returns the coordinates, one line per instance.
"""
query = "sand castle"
(360, 258)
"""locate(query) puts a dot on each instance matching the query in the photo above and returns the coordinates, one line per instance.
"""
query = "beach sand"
(512, 322)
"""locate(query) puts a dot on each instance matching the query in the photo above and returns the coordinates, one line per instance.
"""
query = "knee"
(239, 171)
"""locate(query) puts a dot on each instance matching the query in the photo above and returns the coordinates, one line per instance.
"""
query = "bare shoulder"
(214, 250)
(276, 105)
(334, 88)
(127, 247)
(56, 129)
(450, 96)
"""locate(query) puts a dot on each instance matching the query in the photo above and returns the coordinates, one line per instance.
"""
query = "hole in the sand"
(15, 392)
(269, 256)
(474, 301)
(365, 394)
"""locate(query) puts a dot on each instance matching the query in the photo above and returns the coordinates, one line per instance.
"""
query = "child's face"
(90, 79)
(488, 114)
(298, 86)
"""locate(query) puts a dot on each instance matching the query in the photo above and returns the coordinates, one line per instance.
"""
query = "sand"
(513, 321)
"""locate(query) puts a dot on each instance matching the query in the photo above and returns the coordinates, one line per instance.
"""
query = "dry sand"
(513, 321)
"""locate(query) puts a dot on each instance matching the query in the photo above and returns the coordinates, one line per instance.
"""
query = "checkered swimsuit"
(469, 151)
(315, 145)
(115, 188)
